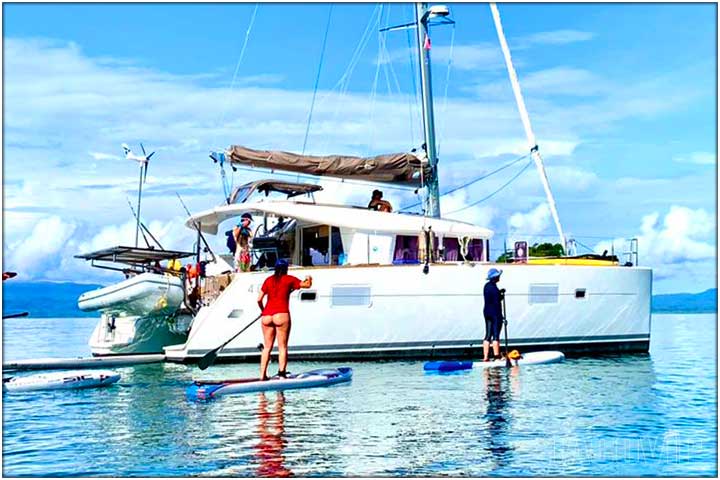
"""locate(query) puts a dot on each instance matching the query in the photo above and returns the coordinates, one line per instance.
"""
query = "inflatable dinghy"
(207, 390)
(61, 380)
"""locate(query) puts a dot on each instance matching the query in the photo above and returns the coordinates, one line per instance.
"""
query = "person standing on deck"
(242, 235)
(276, 314)
(493, 314)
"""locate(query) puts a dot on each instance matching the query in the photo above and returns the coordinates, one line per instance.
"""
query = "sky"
(622, 98)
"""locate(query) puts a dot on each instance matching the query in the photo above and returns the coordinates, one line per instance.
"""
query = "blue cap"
(493, 272)
(281, 262)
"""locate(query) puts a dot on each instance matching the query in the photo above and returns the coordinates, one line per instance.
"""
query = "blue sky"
(622, 98)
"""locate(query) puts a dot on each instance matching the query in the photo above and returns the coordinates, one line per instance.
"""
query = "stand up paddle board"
(532, 358)
(61, 380)
(207, 390)
(447, 366)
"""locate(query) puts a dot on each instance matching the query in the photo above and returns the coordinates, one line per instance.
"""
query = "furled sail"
(391, 168)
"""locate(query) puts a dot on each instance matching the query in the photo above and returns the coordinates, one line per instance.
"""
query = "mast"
(534, 150)
(422, 13)
(137, 226)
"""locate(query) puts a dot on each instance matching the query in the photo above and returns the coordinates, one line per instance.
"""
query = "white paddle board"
(61, 380)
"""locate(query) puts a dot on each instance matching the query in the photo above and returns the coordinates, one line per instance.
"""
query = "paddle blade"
(208, 359)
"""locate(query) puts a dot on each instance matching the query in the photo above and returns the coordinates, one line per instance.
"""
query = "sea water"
(625, 415)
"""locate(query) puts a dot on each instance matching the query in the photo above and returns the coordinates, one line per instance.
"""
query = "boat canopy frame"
(137, 257)
(292, 189)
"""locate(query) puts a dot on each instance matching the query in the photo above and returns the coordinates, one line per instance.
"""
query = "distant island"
(45, 299)
(59, 300)
(704, 302)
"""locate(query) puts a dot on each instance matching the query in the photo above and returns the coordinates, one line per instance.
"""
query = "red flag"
(427, 42)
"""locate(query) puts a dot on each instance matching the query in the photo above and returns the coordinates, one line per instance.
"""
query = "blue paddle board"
(447, 365)
(207, 390)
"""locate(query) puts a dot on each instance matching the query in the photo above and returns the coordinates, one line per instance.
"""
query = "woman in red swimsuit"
(276, 314)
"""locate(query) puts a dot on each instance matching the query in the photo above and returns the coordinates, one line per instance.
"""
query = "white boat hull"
(138, 315)
(133, 335)
(397, 311)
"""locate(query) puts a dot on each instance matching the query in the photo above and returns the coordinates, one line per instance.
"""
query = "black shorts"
(493, 327)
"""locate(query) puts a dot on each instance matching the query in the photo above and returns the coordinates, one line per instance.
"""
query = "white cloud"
(104, 156)
(531, 223)
(697, 158)
(39, 250)
(555, 81)
(558, 37)
(683, 237)
(482, 215)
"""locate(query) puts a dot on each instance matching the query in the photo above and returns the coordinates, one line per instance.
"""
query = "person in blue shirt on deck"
(493, 314)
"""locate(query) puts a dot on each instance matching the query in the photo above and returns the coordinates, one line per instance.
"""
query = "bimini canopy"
(392, 168)
(291, 189)
(339, 216)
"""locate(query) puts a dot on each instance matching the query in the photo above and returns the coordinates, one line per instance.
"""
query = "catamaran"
(397, 285)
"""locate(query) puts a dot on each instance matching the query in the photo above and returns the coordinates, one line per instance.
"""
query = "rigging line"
(317, 78)
(444, 122)
(223, 178)
(475, 180)
(583, 245)
(496, 191)
(342, 84)
(330, 179)
(345, 77)
(388, 64)
(574, 237)
(413, 97)
(373, 91)
(237, 65)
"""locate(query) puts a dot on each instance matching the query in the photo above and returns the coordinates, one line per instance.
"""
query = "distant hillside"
(44, 299)
(705, 302)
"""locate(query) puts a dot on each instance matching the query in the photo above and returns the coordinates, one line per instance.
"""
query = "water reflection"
(500, 387)
(271, 433)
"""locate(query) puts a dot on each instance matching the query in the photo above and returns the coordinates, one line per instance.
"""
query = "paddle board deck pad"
(207, 390)
(61, 380)
(447, 366)
(532, 358)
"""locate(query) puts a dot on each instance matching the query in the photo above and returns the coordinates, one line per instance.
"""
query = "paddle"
(508, 364)
(210, 357)
(16, 315)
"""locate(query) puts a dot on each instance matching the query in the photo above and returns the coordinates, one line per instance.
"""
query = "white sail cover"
(391, 168)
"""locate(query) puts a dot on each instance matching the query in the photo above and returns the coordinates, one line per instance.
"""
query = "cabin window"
(350, 295)
(406, 249)
(543, 293)
(322, 245)
(453, 251)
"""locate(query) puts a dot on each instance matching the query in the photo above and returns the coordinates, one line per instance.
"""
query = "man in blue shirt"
(493, 314)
